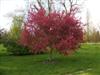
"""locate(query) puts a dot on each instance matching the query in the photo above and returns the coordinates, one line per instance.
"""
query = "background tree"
(48, 29)
(3, 35)
(88, 25)
(10, 39)
(1, 32)
(15, 29)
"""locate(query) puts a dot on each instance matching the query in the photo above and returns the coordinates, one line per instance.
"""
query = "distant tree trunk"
(88, 23)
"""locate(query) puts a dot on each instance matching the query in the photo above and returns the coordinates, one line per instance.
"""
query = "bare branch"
(36, 7)
(71, 5)
(64, 5)
(39, 3)
(49, 6)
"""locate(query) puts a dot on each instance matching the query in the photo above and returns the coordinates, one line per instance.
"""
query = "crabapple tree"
(50, 28)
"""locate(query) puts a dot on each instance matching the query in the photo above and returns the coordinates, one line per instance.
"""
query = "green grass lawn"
(86, 61)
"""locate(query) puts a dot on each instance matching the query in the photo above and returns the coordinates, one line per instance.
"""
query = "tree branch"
(64, 5)
(39, 3)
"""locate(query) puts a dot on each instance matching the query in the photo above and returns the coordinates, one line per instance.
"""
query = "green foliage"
(10, 39)
(15, 30)
(3, 50)
(15, 49)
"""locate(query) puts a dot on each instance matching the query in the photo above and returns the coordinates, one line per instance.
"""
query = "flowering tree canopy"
(49, 29)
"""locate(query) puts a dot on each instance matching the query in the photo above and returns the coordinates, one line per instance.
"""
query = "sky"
(93, 7)
(9, 6)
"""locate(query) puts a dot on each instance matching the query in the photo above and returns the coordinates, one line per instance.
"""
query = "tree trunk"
(50, 51)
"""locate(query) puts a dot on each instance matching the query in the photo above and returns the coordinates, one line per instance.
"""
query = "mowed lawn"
(86, 61)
